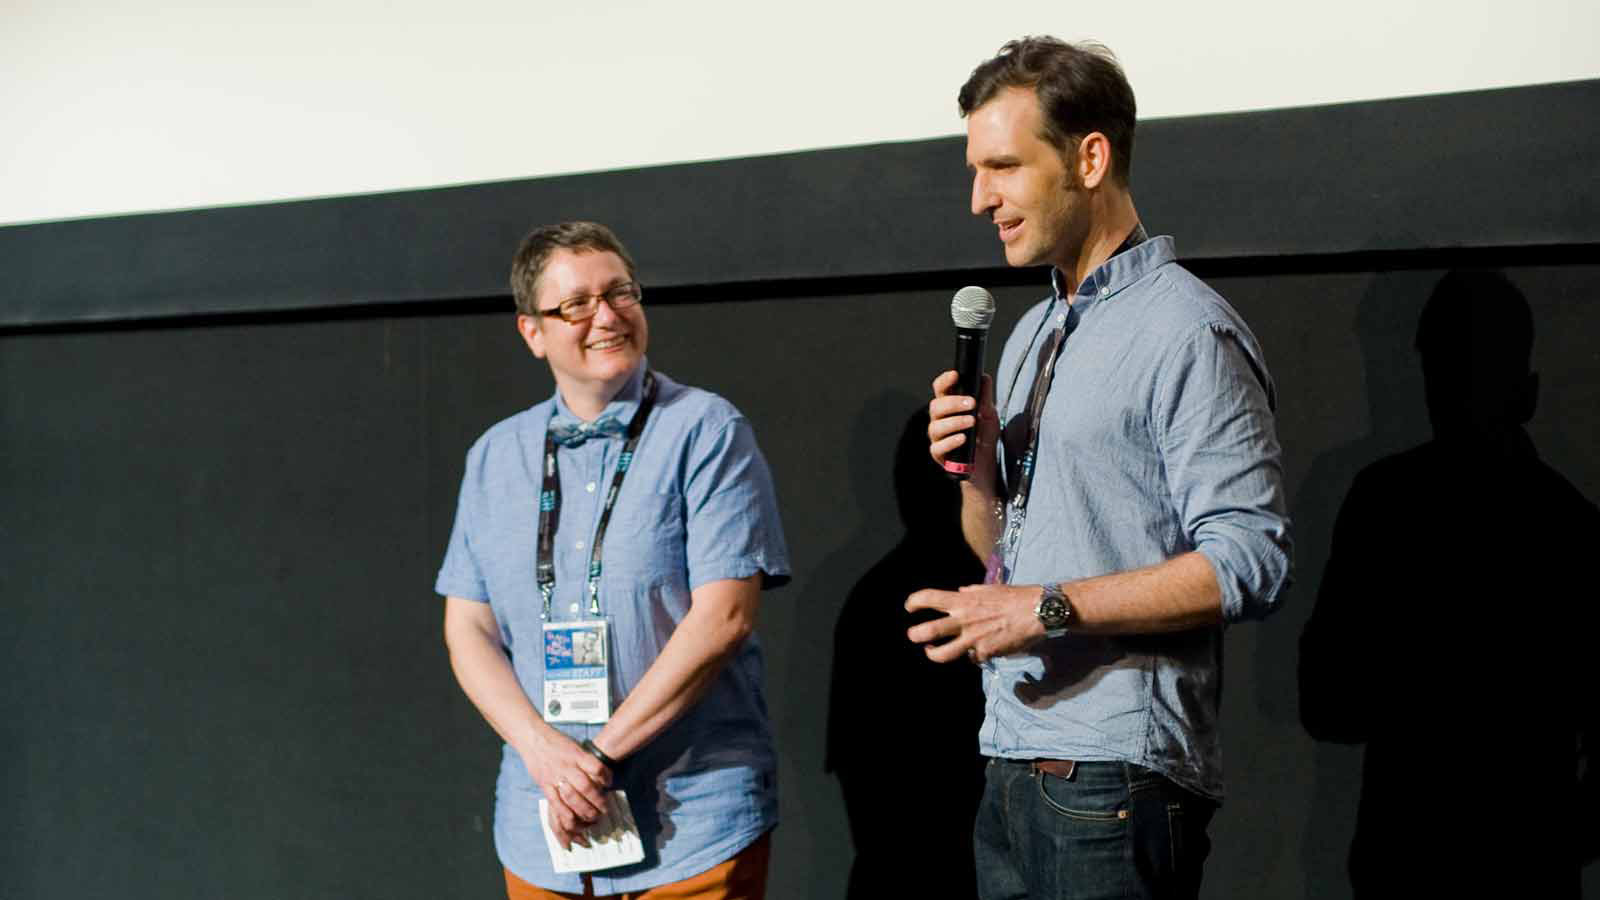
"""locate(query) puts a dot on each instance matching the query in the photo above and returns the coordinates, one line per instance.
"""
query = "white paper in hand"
(613, 841)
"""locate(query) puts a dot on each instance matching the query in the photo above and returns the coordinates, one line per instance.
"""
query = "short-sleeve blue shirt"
(696, 506)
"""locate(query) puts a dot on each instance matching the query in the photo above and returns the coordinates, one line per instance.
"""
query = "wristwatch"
(1054, 611)
(594, 751)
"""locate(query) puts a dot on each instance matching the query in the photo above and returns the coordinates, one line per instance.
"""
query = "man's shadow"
(1450, 628)
(902, 730)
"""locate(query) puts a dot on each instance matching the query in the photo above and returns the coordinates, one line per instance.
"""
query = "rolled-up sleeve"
(1216, 429)
(731, 509)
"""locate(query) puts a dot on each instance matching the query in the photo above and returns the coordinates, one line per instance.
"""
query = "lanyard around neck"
(550, 505)
(1036, 399)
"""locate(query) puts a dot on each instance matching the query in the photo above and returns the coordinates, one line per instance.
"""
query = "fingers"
(944, 403)
(583, 797)
(949, 416)
(941, 449)
(929, 599)
(969, 629)
(951, 651)
(944, 640)
(564, 823)
(573, 782)
(954, 420)
(946, 628)
(944, 396)
(941, 629)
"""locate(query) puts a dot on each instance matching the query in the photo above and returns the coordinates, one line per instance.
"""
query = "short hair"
(1081, 88)
(542, 243)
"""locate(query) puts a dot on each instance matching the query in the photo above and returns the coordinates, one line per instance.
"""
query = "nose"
(984, 200)
(604, 315)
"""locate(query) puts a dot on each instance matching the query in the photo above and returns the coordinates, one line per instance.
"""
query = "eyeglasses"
(584, 306)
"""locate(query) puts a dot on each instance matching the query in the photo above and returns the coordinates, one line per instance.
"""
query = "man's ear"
(532, 334)
(1094, 160)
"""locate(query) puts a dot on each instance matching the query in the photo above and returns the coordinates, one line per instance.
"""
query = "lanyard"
(1018, 510)
(1018, 506)
(550, 505)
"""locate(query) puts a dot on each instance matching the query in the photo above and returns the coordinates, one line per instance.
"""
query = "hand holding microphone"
(963, 423)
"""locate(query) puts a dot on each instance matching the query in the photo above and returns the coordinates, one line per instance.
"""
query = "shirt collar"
(1116, 273)
(622, 406)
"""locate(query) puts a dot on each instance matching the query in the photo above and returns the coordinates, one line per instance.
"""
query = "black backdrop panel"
(224, 671)
(1504, 168)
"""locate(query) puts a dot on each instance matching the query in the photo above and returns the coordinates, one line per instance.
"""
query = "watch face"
(1053, 610)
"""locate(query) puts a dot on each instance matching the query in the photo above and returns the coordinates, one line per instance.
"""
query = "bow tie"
(574, 435)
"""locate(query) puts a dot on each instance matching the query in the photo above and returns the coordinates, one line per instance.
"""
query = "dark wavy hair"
(1081, 89)
(544, 241)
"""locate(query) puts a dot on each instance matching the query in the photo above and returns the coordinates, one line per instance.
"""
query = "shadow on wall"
(902, 730)
(1449, 629)
(1384, 326)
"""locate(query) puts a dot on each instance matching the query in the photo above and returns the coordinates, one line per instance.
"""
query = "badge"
(577, 683)
(994, 569)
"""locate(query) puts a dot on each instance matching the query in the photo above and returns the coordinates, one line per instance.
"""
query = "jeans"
(1112, 830)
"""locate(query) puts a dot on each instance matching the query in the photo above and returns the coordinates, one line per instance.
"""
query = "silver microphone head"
(972, 307)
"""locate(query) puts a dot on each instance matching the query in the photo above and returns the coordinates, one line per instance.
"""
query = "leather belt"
(1061, 768)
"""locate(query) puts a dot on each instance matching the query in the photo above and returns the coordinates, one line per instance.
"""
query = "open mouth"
(610, 343)
(1008, 229)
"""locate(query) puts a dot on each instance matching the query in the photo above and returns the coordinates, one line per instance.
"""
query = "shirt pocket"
(646, 537)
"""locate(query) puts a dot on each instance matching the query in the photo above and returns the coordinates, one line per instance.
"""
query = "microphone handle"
(969, 380)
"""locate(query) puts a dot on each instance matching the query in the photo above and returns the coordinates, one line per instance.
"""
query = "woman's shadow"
(902, 730)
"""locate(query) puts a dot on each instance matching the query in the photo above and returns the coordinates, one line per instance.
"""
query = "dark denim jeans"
(1113, 830)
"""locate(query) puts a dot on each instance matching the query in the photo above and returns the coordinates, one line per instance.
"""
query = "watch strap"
(1053, 610)
(590, 748)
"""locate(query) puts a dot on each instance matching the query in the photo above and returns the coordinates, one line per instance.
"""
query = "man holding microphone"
(1125, 492)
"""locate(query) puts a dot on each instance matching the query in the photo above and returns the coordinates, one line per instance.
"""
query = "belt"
(1061, 768)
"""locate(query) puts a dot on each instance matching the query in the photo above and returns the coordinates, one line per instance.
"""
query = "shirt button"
(589, 487)
(579, 545)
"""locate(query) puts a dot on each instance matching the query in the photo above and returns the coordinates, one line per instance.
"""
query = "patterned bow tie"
(574, 435)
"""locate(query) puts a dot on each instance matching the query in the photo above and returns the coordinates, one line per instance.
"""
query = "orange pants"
(744, 877)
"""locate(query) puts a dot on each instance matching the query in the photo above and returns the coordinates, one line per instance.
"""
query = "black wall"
(231, 443)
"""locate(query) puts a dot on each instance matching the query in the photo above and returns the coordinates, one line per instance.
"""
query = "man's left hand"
(980, 621)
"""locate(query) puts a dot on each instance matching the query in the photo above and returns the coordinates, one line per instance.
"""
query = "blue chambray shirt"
(1157, 439)
(697, 506)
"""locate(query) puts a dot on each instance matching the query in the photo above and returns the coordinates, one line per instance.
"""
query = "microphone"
(972, 309)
